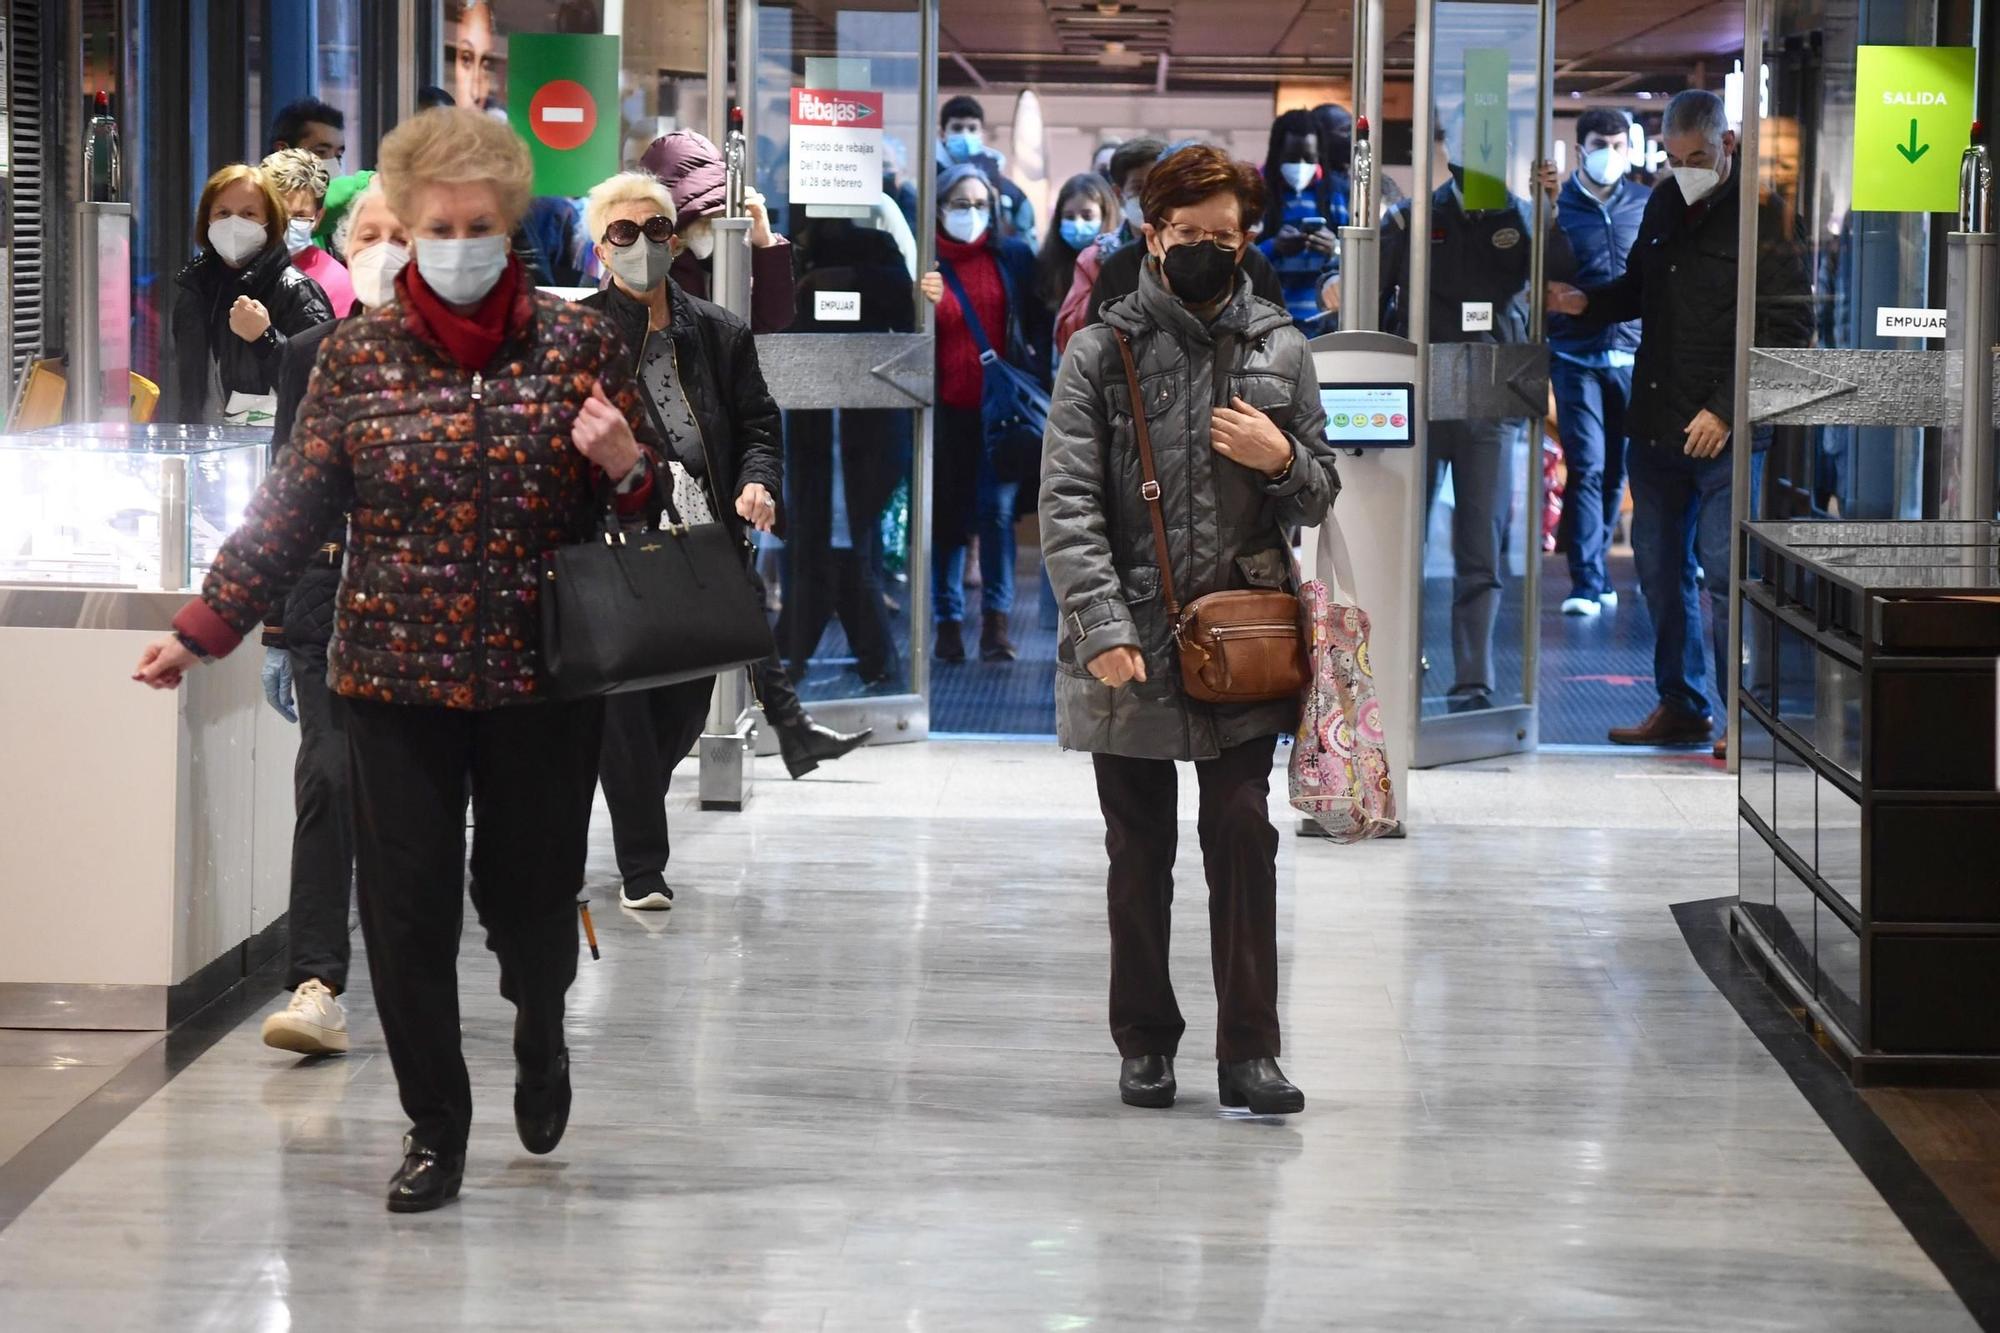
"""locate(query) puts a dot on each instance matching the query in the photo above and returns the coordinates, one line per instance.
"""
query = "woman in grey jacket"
(1234, 415)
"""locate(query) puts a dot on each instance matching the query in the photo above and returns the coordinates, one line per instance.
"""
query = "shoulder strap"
(1151, 489)
(972, 324)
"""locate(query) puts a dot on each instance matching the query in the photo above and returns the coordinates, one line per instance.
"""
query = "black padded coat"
(205, 291)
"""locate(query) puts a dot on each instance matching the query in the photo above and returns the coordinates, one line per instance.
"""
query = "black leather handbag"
(635, 609)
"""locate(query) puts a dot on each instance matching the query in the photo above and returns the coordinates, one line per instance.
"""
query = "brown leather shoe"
(1664, 726)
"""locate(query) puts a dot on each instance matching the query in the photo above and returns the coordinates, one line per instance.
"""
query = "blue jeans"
(968, 498)
(1680, 524)
(1590, 409)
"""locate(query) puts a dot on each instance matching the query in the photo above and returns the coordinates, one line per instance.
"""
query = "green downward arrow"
(1913, 152)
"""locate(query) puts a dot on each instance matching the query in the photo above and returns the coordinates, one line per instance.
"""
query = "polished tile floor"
(860, 1081)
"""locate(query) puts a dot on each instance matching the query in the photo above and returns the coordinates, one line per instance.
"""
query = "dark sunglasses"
(658, 228)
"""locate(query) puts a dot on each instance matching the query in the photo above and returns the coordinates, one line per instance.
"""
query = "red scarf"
(471, 340)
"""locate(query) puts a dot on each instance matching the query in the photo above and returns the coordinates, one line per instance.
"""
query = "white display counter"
(145, 836)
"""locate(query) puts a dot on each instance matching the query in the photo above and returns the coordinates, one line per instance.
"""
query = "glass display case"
(136, 506)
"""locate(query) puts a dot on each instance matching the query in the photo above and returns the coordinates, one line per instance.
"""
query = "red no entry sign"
(562, 114)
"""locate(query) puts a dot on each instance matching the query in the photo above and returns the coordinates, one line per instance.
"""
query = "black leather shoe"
(428, 1179)
(950, 645)
(541, 1109)
(806, 744)
(1147, 1080)
(1259, 1085)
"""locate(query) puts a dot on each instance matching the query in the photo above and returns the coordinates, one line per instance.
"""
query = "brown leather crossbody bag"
(1238, 647)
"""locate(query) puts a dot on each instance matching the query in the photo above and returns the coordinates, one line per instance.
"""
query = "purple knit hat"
(692, 170)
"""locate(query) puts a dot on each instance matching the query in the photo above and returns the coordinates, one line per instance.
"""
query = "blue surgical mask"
(1602, 165)
(1079, 232)
(962, 147)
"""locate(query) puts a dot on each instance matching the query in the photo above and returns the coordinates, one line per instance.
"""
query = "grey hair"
(1696, 111)
(344, 229)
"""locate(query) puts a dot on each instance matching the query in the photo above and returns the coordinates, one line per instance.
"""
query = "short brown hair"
(276, 215)
(455, 145)
(1197, 172)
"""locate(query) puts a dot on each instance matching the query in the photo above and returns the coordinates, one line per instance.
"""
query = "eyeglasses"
(658, 228)
(964, 206)
(1183, 233)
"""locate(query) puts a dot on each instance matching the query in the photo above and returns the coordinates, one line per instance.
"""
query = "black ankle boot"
(1147, 1080)
(428, 1179)
(950, 646)
(1259, 1085)
(541, 1108)
(805, 744)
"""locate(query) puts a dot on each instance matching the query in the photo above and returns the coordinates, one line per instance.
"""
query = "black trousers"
(1239, 851)
(820, 581)
(646, 733)
(529, 769)
(323, 834)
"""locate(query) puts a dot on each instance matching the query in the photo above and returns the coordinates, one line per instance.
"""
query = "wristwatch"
(187, 641)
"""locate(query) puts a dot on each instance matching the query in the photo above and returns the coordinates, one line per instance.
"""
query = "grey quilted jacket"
(1225, 523)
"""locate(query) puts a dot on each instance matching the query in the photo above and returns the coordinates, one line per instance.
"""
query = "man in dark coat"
(1480, 264)
(1680, 279)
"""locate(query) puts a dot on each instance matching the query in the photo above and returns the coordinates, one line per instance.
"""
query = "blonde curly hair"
(455, 145)
(293, 169)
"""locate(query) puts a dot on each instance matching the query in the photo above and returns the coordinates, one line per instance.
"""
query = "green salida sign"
(1913, 118)
(1483, 151)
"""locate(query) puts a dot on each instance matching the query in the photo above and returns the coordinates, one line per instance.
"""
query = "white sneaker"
(1608, 600)
(1580, 606)
(312, 1024)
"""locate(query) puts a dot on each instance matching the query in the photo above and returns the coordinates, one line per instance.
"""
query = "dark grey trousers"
(323, 836)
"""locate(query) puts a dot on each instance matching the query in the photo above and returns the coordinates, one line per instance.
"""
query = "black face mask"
(1199, 274)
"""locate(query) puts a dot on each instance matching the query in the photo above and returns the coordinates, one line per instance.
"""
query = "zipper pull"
(478, 387)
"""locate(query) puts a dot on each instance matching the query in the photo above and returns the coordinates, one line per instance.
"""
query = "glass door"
(1471, 298)
(840, 147)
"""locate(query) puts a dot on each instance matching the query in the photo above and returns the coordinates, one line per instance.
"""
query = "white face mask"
(642, 265)
(1134, 212)
(1697, 183)
(236, 240)
(374, 271)
(461, 272)
(1298, 175)
(966, 225)
(299, 235)
(1603, 165)
(700, 238)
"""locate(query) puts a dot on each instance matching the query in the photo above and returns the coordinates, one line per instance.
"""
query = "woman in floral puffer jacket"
(467, 427)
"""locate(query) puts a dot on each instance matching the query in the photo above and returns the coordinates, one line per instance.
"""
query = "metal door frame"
(1469, 381)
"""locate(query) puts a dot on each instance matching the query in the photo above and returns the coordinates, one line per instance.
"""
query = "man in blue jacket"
(1591, 370)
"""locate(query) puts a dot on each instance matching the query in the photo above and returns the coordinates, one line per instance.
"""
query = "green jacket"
(1225, 523)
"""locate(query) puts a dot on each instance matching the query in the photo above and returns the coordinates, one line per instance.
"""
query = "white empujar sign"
(1893, 321)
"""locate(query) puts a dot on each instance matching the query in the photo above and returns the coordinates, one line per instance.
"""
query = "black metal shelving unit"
(1868, 878)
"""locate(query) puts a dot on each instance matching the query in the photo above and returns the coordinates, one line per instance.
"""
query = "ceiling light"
(1109, 8)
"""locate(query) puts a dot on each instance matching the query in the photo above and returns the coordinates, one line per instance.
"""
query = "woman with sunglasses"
(1233, 411)
(698, 372)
